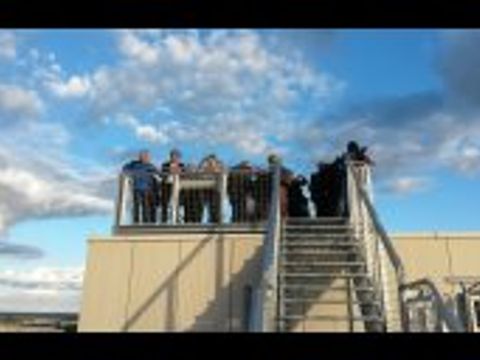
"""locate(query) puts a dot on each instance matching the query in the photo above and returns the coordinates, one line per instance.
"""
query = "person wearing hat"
(171, 167)
(357, 153)
(145, 187)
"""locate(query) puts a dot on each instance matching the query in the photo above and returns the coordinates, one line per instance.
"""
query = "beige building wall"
(444, 257)
(169, 282)
(198, 282)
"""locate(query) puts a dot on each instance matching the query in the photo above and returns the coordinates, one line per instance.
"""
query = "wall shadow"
(227, 304)
(219, 310)
(168, 287)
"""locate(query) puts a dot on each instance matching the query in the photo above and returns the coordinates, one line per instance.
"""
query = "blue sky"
(76, 104)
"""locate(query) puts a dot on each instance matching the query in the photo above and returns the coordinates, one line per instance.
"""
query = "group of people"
(153, 188)
(328, 185)
(248, 188)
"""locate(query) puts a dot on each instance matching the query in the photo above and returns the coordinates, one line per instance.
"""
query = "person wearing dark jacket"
(286, 177)
(240, 189)
(319, 190)
(145, 178)
(356, 153)
(297, 201)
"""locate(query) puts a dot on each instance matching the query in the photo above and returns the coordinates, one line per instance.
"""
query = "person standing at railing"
(359, 156)
(240, 189)
(262, 193)
(211, 197)
(319, 190)
(286, 178)
(144, 177)
(326, 186)
(174, 166)
(297, 201)
(191, 198)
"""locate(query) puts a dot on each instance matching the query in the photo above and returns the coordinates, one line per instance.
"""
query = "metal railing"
(264, 310)
(196, 198)
(384, 265)
(444, 318)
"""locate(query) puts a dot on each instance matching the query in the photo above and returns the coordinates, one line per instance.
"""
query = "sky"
(77, 104)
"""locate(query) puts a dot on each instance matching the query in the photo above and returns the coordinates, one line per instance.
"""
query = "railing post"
(223, 195)
(265, 309)
(124, 197)
(119, 202)
(175, 197)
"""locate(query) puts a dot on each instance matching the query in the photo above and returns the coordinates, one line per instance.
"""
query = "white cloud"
(408, 184)
(133, 47)
(41, 289)
(8, 50)
(37, 180)
(68, 278)
(30, 192)
(144, 132)
(234, 76)
(75, 87)
(16, 101)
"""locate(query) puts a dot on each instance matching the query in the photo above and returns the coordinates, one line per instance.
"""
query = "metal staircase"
(323, 280)
(336, 274)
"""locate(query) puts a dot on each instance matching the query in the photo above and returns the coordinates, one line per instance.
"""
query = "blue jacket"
(142, 175)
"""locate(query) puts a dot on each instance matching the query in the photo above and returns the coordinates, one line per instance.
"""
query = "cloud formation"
(406, 184)
(219, 87)
(20, 251)
(37, 180)
(8, 47)
(419, 132)
(47, 289)
(16, 101)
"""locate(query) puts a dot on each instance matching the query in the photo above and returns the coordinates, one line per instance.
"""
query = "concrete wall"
(169, 282)
(197, 282)
(441, 256)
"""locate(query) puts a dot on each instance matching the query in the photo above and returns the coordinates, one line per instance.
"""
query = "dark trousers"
(244, 209)
(143, 202)
(166, 193)
(236, 210)
(192, 202)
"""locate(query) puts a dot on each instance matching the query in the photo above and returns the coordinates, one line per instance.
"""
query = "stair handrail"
(263, 315)
(393, 255)
(446, 316)
(379, 233)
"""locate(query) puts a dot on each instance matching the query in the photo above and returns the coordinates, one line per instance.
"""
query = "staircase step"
(321, 243)
(325, 263)
(330, 318)
(286, 287)
(323, 275)
(329, 302)
(320, 220)
(322, 252)
(317, 226)
(309, 254)
(315, 259)
(316, 235)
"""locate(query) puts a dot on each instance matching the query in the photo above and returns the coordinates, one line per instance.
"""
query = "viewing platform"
(223, 258)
